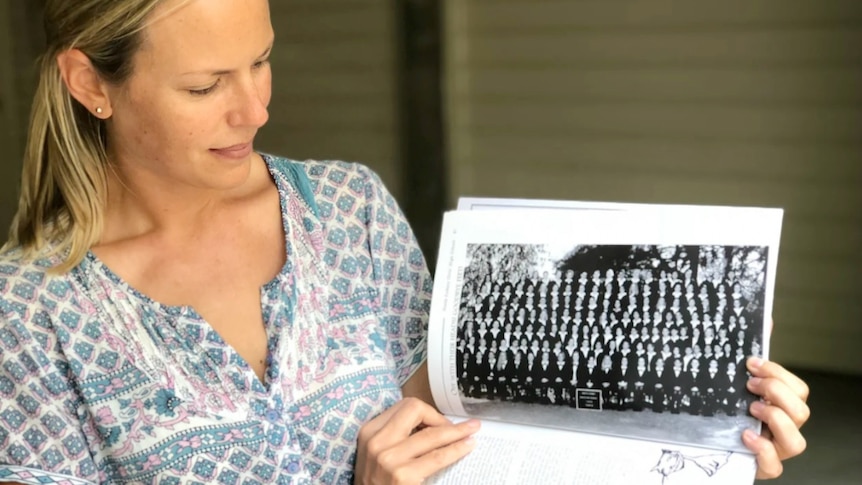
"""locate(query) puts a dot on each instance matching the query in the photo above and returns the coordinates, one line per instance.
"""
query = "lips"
(239, 151)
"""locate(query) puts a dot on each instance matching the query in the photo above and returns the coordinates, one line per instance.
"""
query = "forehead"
(205, 34)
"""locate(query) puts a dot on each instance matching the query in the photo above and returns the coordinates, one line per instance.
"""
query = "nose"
(252, 99)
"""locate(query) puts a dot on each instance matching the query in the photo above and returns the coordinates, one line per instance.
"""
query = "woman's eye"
(259, 64)
(203, 91)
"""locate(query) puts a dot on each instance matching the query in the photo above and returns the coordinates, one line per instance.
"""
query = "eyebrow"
(222, 72)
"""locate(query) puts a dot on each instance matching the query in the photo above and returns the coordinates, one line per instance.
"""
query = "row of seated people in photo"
(706, 391)
(499, 367)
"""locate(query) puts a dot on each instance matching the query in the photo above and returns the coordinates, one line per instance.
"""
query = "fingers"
(783, 411)
(428, 451)
(777, 394)
(414, 412)
(781, 388)
(401, 423)
(786, 439)
(437, 460)
(428, 440)
(410, 442)
(417, 412)
(768, 463)
(765, 369)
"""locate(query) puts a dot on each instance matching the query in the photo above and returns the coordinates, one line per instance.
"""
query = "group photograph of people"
(645, 328)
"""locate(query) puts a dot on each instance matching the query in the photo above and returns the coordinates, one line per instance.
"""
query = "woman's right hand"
(410, 442)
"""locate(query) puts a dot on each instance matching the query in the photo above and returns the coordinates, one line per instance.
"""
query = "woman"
(176, 308)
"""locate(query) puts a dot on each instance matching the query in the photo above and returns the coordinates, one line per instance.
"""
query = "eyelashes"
(204, 91)
(209, 89)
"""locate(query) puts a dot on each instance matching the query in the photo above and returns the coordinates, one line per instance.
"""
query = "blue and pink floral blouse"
(100, 384)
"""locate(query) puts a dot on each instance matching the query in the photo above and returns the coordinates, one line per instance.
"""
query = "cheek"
(189, 127)
(134, 127)
(147, 121)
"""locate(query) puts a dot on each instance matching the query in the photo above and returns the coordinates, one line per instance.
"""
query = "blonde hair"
(64, 177)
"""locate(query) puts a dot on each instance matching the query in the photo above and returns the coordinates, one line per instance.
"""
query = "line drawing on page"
(672, 461)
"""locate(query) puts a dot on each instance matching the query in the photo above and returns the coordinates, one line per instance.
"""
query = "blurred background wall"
(335, 93)
(689, 101)
(20, 41)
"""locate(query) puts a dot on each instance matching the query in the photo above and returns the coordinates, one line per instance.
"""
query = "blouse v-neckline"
(188, 312)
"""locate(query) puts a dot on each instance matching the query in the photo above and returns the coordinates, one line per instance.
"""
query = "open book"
(601, 343)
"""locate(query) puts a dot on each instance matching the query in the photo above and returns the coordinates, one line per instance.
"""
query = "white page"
(557, 230)
(490, 203)
(495, 203)
(508, 454)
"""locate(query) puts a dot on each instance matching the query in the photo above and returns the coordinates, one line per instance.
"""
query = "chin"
(227, 176)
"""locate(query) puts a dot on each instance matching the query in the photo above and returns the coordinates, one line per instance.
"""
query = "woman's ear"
(84, 83)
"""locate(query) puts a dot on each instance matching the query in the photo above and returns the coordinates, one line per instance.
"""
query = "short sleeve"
(401, 275)
(41, 438)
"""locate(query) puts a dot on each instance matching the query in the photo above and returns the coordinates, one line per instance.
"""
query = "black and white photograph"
(632, 336)
(626, 326)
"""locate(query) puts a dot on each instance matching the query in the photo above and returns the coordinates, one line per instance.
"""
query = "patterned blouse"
(101, 384)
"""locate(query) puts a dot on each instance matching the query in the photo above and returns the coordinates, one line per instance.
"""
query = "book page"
(513, 454)
(489, 203)
(631, 323)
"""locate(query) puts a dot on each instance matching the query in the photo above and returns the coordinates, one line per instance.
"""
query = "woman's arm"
(419, 386)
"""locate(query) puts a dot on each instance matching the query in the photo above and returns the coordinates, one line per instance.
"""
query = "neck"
(141, 201)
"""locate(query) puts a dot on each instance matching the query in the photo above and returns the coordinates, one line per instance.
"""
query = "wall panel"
(737, 102)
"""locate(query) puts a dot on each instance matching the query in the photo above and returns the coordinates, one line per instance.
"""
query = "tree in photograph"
(712, 263)
(589, 258)
(748, 267)
(512, 261)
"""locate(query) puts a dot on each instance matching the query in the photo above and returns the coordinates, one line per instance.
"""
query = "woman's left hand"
(783, 411)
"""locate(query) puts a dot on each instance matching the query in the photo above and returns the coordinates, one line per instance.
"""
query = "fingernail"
(754, 381)
(473, 424)
(749, 435)
(755, 362)
(757, 407)
(471, 441)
